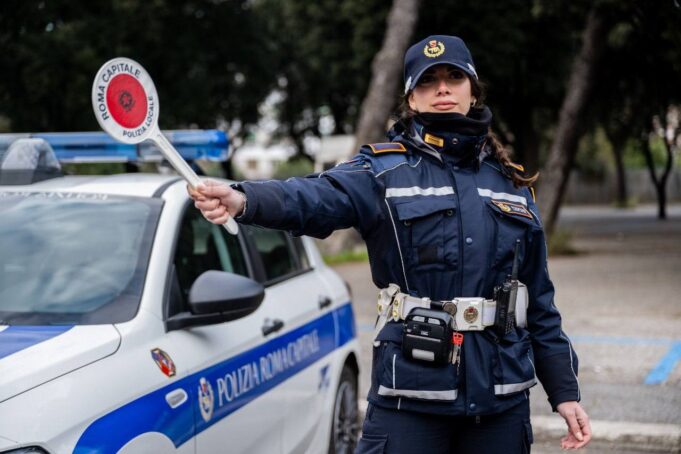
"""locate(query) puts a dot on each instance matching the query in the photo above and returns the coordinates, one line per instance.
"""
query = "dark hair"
(501, 153)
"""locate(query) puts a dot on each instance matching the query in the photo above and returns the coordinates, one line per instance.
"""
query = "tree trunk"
(386, 74)
(618, 139)
(564, 148)
(659, 183)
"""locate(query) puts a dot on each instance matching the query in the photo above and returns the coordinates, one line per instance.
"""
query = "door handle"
(324, 301)
(272, 326)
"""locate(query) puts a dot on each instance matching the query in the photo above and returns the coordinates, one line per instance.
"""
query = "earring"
(473, 102)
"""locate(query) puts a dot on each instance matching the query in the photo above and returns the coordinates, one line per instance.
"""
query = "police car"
(128, 323)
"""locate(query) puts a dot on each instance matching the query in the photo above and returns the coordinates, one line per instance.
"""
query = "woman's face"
(443, 89)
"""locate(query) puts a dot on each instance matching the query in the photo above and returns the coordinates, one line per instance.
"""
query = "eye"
(456, 74)
(426, 79)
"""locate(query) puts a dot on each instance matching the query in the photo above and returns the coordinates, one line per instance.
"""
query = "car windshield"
(73, 258)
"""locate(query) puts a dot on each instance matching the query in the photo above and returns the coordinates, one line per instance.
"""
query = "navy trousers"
(402, 432)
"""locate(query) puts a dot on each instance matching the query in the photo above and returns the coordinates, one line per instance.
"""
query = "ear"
(410, 100)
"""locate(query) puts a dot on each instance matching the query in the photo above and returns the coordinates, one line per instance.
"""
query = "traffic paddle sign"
(126, 106)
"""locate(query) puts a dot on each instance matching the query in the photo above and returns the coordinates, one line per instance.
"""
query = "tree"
(632, 92)
(666, 127)
(198, 52)
(321, 52)
(564, 148)
(386, 71)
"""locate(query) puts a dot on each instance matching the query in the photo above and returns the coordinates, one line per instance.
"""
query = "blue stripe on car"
(151, 413)
(17, 338)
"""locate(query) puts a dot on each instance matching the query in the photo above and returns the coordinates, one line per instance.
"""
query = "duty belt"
(470, 314)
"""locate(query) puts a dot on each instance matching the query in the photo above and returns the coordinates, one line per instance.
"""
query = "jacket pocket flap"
(424, 206)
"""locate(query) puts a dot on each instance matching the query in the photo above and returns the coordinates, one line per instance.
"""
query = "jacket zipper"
(459, 274)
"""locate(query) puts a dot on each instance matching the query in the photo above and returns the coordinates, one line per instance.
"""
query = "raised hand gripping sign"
(126, 106)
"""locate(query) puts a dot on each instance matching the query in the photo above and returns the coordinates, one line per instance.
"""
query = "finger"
(221, 220)
(207, 204)
(215, 214)
(214, 189)
(573, 425)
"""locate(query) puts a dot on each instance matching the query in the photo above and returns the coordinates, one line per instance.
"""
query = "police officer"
(441, 208)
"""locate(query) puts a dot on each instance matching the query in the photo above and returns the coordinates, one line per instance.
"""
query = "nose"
(442, 86)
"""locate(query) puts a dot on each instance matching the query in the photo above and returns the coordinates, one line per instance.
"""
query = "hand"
(579, 427)
(217, 201)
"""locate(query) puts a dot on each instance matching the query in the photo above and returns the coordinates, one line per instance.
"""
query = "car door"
(233, 410)
(298, 303)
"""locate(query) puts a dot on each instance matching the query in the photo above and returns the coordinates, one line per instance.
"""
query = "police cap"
(436, 50)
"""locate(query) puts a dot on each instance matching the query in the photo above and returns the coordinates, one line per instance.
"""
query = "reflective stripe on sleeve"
(415, 190)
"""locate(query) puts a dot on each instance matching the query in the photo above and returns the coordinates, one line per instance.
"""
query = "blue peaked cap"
(436, 50)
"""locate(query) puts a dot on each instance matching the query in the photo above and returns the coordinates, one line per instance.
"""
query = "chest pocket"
(426, 224)
(512, 222)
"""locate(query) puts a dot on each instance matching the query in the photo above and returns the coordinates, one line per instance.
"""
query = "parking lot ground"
(620, 299)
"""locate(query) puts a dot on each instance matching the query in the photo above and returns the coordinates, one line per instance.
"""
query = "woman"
(441, 208)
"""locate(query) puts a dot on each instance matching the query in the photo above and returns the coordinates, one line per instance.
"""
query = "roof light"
(27, 161)
(81, 147)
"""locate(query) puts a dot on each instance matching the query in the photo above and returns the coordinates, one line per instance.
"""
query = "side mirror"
(217, 297)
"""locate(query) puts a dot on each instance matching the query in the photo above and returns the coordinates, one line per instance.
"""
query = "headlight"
(27, 450)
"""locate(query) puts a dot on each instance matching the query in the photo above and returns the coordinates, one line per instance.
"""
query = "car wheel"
(345, 428)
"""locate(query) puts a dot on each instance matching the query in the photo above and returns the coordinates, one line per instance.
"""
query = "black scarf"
(461, 136)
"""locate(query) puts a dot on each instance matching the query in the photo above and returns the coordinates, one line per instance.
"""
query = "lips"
(445, 105)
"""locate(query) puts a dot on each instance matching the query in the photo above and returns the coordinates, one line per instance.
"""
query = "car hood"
(33, 355)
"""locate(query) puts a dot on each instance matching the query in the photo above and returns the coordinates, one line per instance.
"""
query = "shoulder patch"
(387, 147)
(516, 166)
(512, 208)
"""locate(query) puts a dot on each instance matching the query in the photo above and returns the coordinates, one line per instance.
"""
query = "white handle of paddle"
(186, 172)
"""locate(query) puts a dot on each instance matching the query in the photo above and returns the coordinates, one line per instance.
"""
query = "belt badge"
(470, 314)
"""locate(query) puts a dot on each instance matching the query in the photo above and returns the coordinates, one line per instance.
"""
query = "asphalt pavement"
(620, 298)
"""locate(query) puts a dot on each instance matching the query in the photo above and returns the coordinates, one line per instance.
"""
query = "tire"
(345, 423)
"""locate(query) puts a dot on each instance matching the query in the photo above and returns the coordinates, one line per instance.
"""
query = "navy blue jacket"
(442, 227)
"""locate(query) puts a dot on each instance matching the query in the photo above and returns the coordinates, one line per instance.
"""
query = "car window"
(73, 258)
(278, 257)
(302, 254)
(203, 246)
(281, 254)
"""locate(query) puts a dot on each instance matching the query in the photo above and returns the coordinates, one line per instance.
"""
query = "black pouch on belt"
(427, 336)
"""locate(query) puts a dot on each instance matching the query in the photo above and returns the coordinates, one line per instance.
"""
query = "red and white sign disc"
(125, 101)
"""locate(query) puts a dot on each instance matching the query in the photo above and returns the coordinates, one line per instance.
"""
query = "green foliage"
(196, 51)
(347, 257)
(561, 243)
(296, 167)
(595, 156)
(322, 51)
(93, 169)
(633, 153)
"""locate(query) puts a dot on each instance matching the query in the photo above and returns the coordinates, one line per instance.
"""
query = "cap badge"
(434, 49)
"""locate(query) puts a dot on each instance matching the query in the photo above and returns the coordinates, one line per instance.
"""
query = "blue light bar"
(82, 147)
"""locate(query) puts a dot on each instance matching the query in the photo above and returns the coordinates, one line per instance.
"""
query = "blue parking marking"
(666, 366)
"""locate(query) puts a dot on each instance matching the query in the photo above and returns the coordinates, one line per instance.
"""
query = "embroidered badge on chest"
(512, 208)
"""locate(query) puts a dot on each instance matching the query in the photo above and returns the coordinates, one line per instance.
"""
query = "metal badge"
(470, 314)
